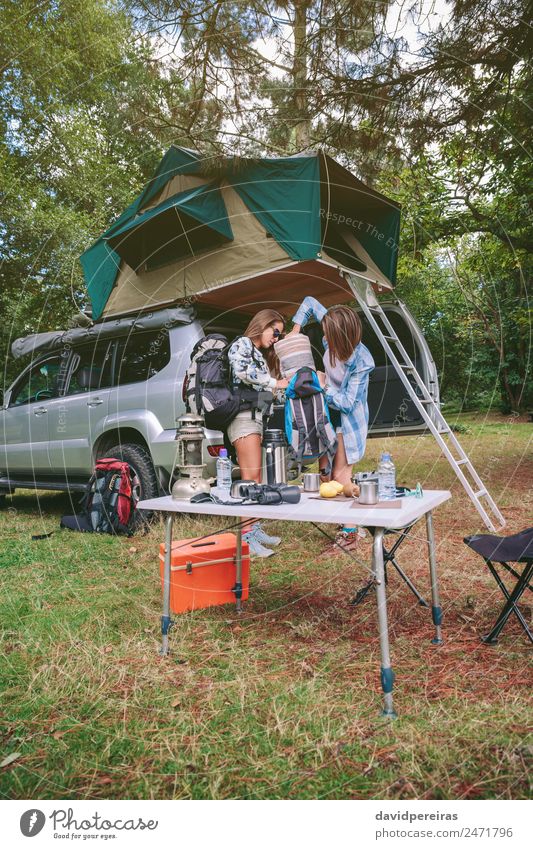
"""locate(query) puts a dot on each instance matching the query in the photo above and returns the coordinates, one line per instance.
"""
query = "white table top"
(311, 509)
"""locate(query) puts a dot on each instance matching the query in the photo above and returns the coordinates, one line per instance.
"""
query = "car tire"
(145, 483)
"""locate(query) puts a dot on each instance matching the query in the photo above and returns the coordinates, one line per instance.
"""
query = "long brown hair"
(343, 331)
(257, 325)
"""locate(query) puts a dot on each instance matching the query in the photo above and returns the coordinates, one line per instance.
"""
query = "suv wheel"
(145, 484)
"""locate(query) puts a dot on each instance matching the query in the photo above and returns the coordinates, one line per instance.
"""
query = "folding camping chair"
(504, 550)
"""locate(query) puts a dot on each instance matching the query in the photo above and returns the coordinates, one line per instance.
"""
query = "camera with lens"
(278, 493)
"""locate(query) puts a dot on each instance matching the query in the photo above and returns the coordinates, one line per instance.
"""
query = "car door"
(143, 397)
(24, 420)
(77, 418)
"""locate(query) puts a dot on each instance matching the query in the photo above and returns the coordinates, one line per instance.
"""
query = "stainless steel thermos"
(275, 457)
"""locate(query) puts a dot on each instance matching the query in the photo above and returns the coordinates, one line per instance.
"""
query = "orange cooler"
(203, 572)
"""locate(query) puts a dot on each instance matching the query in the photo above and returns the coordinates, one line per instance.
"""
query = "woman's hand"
(321, 378)
(296, 329)
(282, 384)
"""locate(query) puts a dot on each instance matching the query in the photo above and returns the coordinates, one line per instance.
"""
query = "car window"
(92, 368)
(39, 384)
(141, 355)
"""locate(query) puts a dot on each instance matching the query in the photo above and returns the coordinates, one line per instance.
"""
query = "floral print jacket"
(248, 365)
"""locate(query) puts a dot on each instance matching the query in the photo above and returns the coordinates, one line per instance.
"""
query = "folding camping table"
(320, 511)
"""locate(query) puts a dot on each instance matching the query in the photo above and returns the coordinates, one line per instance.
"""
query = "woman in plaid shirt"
(347, 364)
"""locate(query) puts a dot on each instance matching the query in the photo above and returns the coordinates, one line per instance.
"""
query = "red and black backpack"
(108, 502)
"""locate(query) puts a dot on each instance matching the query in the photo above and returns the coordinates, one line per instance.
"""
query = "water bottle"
(223, 489)
(386, 478)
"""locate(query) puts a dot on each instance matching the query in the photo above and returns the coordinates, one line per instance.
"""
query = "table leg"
(436, 610)
(387, 675)
(237, 589)
(165, 618)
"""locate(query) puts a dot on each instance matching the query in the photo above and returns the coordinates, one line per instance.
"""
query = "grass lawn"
(284, 701)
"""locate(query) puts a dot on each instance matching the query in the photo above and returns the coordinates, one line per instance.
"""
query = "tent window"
(190, 243)
(182, 226)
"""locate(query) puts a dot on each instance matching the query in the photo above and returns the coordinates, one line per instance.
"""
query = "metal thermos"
(275, 457)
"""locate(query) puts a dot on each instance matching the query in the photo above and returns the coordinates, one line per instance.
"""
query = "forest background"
(426, 101)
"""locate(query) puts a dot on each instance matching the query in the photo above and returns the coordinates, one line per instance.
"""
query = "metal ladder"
(431, 414)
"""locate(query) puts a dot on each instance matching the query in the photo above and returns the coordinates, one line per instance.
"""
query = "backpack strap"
(125, 496)
(197, 394)
(87, 495)
(329, 445)
(301, 429)
(96, 509)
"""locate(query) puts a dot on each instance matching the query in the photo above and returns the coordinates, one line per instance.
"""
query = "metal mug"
(368, 493)
(311, 482)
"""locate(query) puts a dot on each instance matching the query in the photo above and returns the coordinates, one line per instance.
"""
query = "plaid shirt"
(351, 398)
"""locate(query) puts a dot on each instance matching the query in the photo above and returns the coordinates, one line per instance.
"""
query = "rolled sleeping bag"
(294, 352)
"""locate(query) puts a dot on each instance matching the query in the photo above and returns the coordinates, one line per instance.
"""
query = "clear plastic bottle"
(386, 478)
(223, 488)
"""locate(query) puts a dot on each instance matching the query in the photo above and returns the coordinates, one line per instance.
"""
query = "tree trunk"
(301, 134)
(507, 392)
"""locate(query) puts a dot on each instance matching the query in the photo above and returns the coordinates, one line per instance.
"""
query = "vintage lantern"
(189, 437)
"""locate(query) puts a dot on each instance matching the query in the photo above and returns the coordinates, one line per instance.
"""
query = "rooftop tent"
(243, 231)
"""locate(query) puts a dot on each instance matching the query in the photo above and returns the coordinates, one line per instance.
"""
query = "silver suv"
(117, 389)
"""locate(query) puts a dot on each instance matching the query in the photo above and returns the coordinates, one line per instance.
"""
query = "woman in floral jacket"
(250, 367)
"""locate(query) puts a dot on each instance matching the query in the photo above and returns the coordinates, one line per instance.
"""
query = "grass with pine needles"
(283, 701)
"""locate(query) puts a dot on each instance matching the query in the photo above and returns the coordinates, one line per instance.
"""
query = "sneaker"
(255, 546)
(263, 537)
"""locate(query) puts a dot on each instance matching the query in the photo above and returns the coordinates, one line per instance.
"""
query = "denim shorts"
(243, 425)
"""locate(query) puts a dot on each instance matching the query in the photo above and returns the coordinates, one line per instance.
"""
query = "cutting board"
(383, 505)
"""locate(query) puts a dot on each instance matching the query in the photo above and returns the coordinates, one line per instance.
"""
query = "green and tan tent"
(243, 233)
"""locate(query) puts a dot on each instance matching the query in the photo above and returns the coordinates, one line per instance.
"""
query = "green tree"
(78, 88)
(463, 110)
(267, 72)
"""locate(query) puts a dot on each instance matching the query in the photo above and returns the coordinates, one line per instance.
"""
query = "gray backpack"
(208, 386)
(308, 427)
